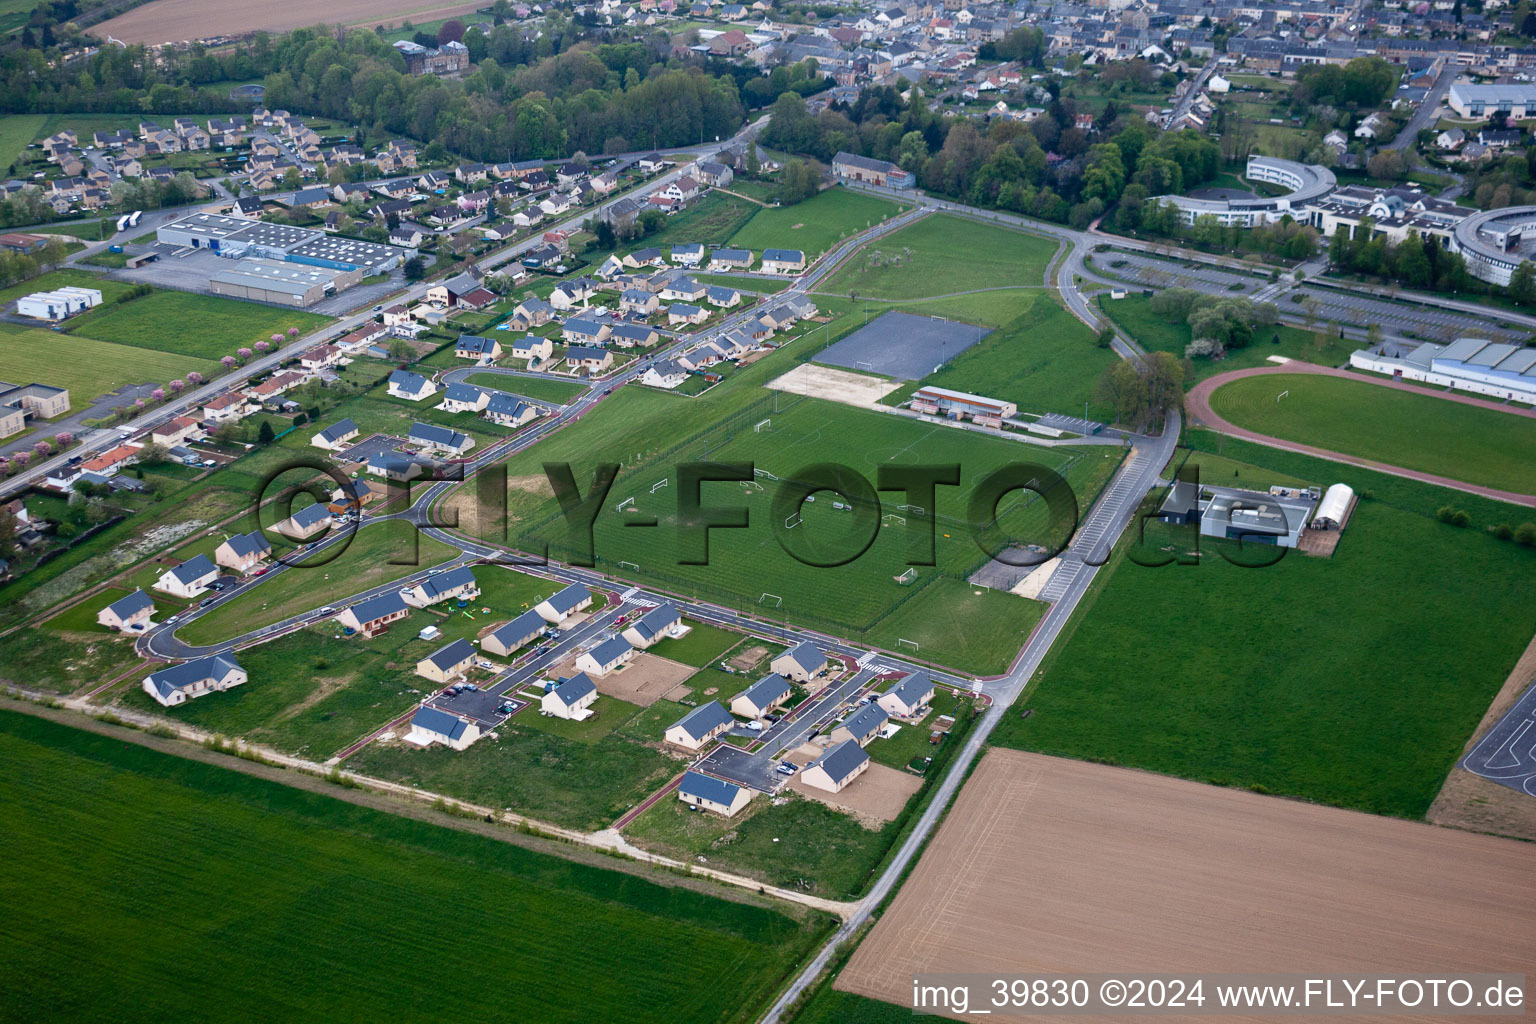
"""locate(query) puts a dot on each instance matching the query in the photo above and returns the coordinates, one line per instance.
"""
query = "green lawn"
(86, 367)
(69, 276)
(86, 231)
(17, 130)
(63, 662)
(911, 742)
(1352, 681)
(815, 225)
(763, 285)
(301, 906)
(943, 254)
(701, 646)
(1433, 435)
(364, 564)
(540, 389)
(82, 617)
(829, 1006)
(165, 321)
(1156, 334)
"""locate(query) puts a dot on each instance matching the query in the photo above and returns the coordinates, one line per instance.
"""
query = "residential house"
(533, 313)
(801, 663)
(909, 698)
(654, 626)
(665, 373)
(861, 726)
(471, 346)
(851, 167)
(579, 331)
(243, 552)
(699, 726)
(731, 259)
(570, 698)
(593, 360)
(230, 408)
(520, 632)
(569, 294)
(375, 615)
(637, 300)
(430, 725)
(430, 437)
(647, 257)
(533, 348)
(189, 579)
(783, 261)
(319, 358)
(631, 335)
(689, 255)
(128, 614)
(711, 794)
(682, 288)
(714, 174)
(723, 297)
(463, 398)
(176, 684)
(305, 523)
(457, 583)
(762, 697)
(176, 431)
(605, 657)
(335, 436)
(560, 605)
(354, 494)
(839, 766)
(682, 313)
(413, 387)
(394, 466)
(509, 410)
(446, 663)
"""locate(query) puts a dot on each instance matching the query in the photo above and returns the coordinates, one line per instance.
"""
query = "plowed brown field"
(167, 21)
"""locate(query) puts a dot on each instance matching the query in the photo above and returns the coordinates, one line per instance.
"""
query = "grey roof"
(446, 581)
(580, 325)
(866, 720)
(435, 434)
(506, 405)
(569, 598)
(734, 255)
(864, 162)
(309, 515)
(178, 677)
(843, 760)
(687, 248)
(808, 656)
(634, 332)
(610, 650)
(440, 722)
(785, 255)
(337, 431)
(514, 633)
(913, 687)
(584, 352)
(707, 787)
(405, 380)
(246, 544)
(447, 657)
(704, 719)
(467, 393)
(682, 309)
(655, 622)
(573, 689)
(719, 293)
(475, 343)
(126, 607)
(195, 568)
(767, 690)
(378, 607)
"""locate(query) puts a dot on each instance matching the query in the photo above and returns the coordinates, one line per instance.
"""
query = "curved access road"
(1198, 404)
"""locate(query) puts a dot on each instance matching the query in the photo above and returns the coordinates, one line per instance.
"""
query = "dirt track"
(163, 21)
(1046, 864)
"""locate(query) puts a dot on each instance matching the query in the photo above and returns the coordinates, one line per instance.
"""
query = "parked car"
(785, 768)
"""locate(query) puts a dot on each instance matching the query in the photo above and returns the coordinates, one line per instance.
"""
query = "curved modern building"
(1490, 241)
(1306, 182)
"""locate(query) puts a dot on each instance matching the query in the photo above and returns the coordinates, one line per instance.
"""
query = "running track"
(1198, 402)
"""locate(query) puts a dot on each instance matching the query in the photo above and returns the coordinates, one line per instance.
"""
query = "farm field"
(1154, 333)
(188, 19)
(1261, 683)
(363, 565)
(1005, 892)
(164, 321)
(1451, 439)
(941, 254)
(813, 226)
(98, 937)
(86, 367)
(540, 389)
(16, 130)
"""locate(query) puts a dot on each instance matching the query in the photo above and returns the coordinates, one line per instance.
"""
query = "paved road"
(1428, 111)
(1507, 753)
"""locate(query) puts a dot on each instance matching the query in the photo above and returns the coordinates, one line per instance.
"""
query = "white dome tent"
(1333, 508)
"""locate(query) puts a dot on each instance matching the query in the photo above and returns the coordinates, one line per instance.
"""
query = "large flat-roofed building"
(1518, 100)
(201, 230)
(1467, 364)
(299, 248)
(1493, 242)
(282, 284)
(338, 253)
(1395, 212)
(1306, 183)
(959, 404)
(1254, 517)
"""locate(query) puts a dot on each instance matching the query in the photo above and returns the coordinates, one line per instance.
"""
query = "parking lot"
(368, 447)
(480, 705)
(1156, 273)
(903, 346)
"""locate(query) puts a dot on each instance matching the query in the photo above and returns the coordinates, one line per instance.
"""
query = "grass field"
(222, 325)
(829, 1006)
(701, 646)
(301, 906)
(815, 225)
(1462, 442)
(540, 389)
(63, 662)
(69, 276)
(942, 254)
(87, 367)
(1351, 681)
(16, 130)
(1156, 334)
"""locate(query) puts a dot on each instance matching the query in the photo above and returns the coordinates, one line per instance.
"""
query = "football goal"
(762, 426)
(792, 521)
(629, 565)
(626, 503)
(775, 598)
(659, 484)
(907, 577)
(904, 642)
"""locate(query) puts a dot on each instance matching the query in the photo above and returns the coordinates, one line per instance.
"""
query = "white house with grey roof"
(655, 625)
(430, 437)
(373, 616)
(463, 398)
(861, 726)
(335, 436)
(458, 582)
(562, 604)
(839, 766)
(689, 254)
(909, 697)
(129, 614)
(505, 639)
(762, 697)
(711, 794)
(178, 684)
(449, 662)
(802, 663)
(700, 726)
(412, 387)
(244, 552)
(430, 725)
(731, 259)
(664, 373)
(190, 578)
(305, 523)
(605, 657)
(509, 410)
(570, 698)
(783, 261)
(630, 335)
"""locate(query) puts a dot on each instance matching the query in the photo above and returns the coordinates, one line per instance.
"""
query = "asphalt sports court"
(1507, 754)
(903, 346)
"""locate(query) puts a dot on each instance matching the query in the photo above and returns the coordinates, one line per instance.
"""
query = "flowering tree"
(229, 362)
(138, 403)
(177, 385)
(21, 459)
(194, 378)
(5, 466)
(293, 332)
(64, 439)
(262, 346)
(243, 353)
(158, 394)
(277, 339)
(43, 449)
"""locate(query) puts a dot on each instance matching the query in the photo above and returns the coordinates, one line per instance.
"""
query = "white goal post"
(763, 425)
(658, 485)
(904, 642)
(775, 598)
(792, 521)
(624, 504)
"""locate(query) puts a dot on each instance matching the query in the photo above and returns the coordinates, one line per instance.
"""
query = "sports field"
(1352, 681)
(205, 326)
(1060, 866)
(301, 906)
(942, 254)
(815, 225)
(88, 368)
(1450, 439)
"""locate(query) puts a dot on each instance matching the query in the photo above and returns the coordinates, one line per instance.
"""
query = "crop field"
(1081, 870)
(815, 225)
(749, 569)
(941, 254)
(16, 130)
(86, 367)
(336, 916)
(1261, 678)
(171, 20)
(204, 326)
(540, 389)
(1157, 334)
(1448, 438)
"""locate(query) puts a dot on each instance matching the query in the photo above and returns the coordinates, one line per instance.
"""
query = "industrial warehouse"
(278, 263)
